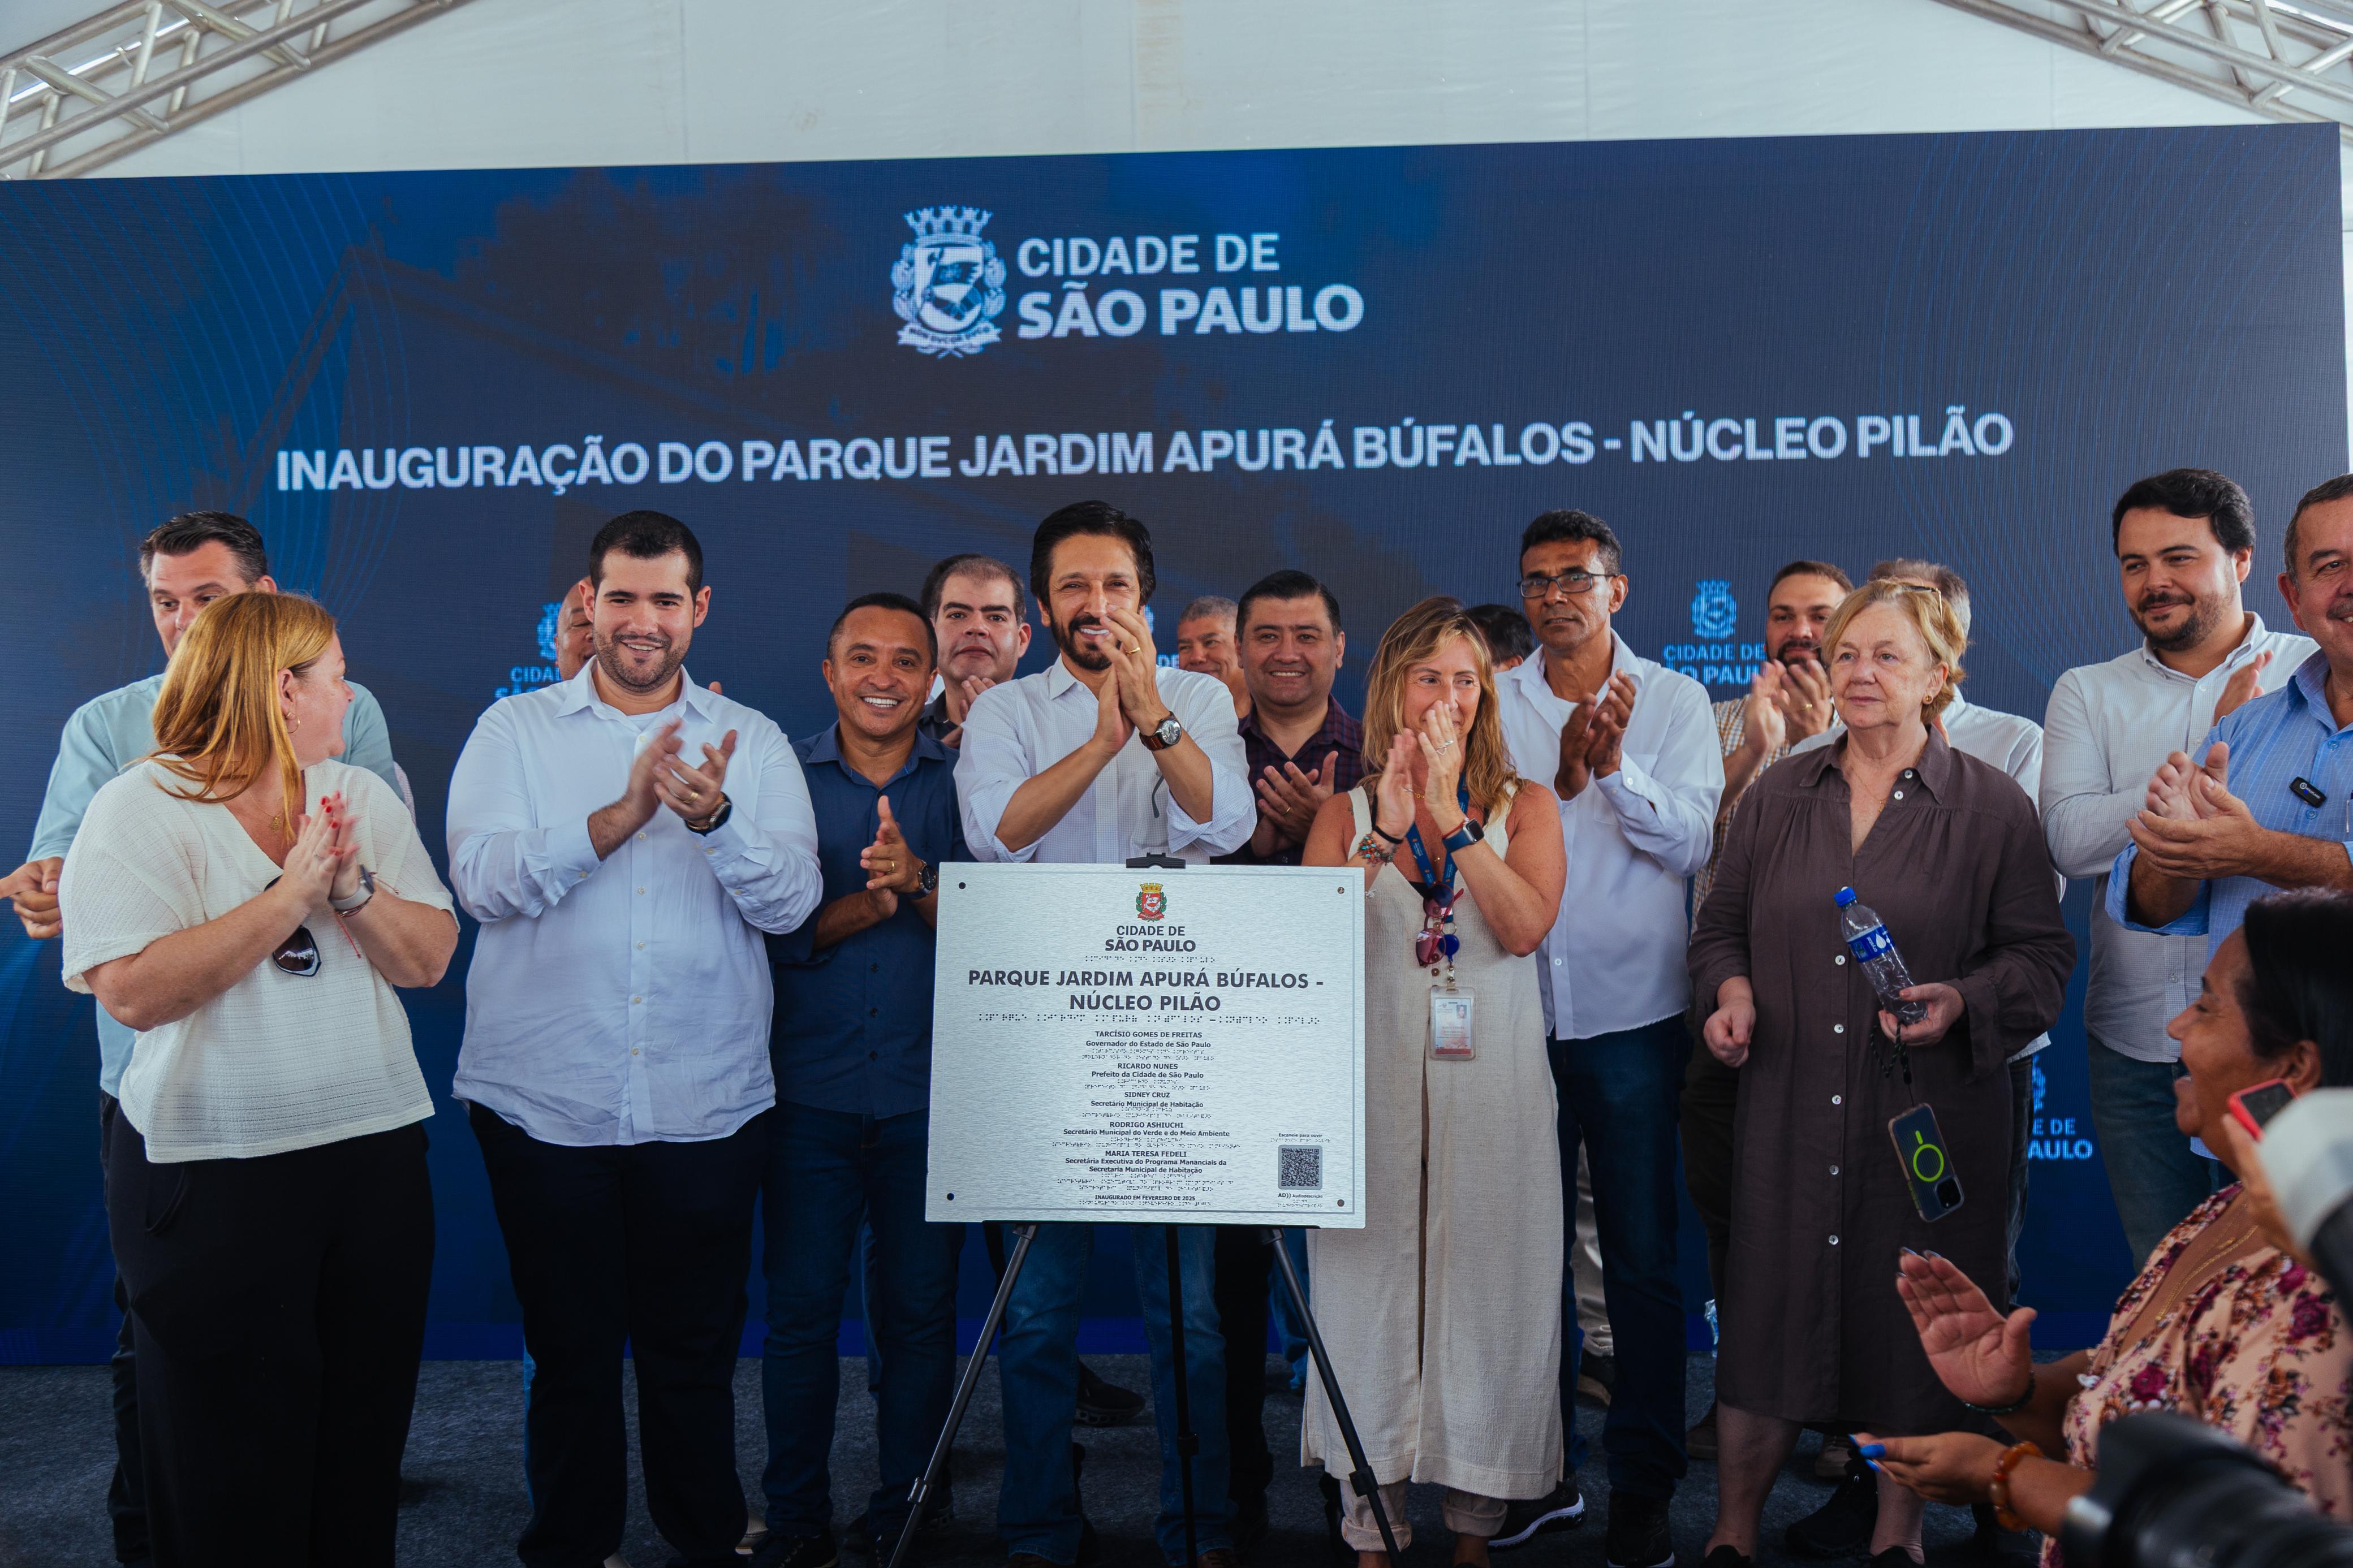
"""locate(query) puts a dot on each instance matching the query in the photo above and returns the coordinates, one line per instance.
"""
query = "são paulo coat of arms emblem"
(1151, 902)
(948, 282)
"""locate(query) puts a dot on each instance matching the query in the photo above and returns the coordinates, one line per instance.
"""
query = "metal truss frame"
(2285, 59)
(137, 72)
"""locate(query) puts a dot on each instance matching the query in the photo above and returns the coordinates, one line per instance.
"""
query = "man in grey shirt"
(2184, 541)
(185, 564)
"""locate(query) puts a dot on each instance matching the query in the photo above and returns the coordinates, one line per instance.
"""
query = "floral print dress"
(2258, 1349)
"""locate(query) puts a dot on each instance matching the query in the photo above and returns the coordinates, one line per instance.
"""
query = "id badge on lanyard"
(1450, 1025)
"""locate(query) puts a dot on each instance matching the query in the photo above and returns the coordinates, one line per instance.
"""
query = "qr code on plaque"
(1298, 1168)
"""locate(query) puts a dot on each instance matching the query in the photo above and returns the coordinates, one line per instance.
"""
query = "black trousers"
(1710, 1096)
(1245, 1263)
(126, 1498)
(278, 1310)
(647, 1246)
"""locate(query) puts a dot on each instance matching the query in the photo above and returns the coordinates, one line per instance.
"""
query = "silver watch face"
(1168, 731)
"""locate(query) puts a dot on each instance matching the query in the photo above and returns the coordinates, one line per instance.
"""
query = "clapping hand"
(1440, 749)
(892, 871)
(1111, 725)
(1393, 794)
(33, 888)
(314, 863)
(1591, 739)
(1290, 798)
(1981, 1356)
(1136, 669)
(1765, 718)
(2194, 828)
(1804, 690)
(346, 828)
(695, 793)
(2245, 685)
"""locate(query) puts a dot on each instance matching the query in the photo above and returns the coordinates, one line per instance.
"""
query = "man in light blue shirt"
(2269, 804)
(186, 563)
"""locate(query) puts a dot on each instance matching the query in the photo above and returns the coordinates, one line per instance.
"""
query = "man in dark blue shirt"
(853, 1051)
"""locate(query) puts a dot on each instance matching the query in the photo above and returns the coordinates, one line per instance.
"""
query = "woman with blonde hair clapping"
(249, 904)
(1445, 1310)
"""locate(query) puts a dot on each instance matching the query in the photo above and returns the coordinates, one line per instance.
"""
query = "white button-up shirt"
(2110, 726)
(1019, 729)
(1614, 959)
(625, 1000)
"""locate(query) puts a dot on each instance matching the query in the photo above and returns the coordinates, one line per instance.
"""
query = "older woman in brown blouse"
(1948, 851)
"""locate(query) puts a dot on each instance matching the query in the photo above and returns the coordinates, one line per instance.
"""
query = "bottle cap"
(1845, 896)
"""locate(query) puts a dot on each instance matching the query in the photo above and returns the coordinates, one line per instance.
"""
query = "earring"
(292, 725)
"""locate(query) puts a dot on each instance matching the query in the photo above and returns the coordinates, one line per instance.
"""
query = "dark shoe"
(1726, 1557)
(1638, 1536)
(779, 1551)
(1597, 1378)
(1563, 1508)
(1700, 1441)
(1842, 1525)
(1104, 1404)
(1836, 1458)
(857, 1539)
(1250, 1521)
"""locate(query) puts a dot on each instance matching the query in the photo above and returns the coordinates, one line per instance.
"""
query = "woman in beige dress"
(1444, 1312)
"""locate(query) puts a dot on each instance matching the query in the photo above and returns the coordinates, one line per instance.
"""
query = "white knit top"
(277, 1061)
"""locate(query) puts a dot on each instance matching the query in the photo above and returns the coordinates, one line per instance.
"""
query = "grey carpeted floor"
(466, 1503)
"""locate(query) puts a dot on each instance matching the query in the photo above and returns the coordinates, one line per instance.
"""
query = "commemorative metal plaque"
(1182, 1045)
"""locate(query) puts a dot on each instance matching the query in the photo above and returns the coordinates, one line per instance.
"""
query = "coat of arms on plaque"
(1151, 902)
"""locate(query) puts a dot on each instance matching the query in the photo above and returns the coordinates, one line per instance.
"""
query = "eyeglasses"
(299, 954)
(1572, 583)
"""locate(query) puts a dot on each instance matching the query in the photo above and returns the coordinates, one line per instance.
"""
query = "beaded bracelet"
(1998, 1490)
(1373, 849)
(2014, 1407)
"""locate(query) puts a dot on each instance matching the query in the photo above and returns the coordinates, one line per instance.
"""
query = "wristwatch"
(716, 820)
(1163, 735)
(928, 882)
(1464, 837)
(355, 905)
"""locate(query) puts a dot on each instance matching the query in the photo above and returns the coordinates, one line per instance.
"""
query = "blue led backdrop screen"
(429, 389)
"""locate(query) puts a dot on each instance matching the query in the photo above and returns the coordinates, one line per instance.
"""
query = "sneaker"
(1563, 1508)
(1104, 1404)
(1700, 1441)
(795, 1552)
(1639, 1534)
(1836, 1458)
(1726, 1557)
(1842, 1525)
(1597, 1377)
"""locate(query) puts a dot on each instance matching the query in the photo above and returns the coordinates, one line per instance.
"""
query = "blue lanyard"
(1443, 891)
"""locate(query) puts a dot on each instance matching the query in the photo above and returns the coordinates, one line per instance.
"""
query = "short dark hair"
(1811, 569)
(1097, 517)
(883, 601)
(1574, 527)
(1287, 583)
(1211, 607)
(1506, 630)
(972, 564)
(2320, 494)
(2298, 986)
(647, 536)
(193, 530)
(2190, 492)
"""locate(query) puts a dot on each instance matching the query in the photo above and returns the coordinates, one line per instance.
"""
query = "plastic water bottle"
(1867, 939)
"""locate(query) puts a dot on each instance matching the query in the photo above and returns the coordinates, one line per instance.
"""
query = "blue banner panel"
(429, 389)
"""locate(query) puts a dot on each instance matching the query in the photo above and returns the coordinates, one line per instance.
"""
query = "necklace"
(1437, 940)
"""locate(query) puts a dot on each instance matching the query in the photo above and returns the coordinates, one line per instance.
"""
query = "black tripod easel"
(1188, 1442)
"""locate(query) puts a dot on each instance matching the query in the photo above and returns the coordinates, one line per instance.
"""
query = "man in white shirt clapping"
(1101, 756)
(1631, 748)
(625, 837)
(2185, 540)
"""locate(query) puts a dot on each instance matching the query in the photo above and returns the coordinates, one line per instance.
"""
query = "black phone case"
(1927, 1166)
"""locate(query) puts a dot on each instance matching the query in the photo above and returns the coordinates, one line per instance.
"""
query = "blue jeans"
(1038, 1362)
(1618, 1095)
(828, 1171)
(2156, 1176)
